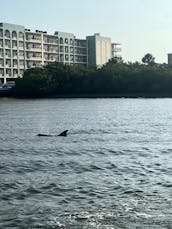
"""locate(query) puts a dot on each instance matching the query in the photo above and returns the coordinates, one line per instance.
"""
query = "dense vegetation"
(116, 78)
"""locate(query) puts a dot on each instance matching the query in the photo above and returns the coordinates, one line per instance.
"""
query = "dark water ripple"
(114, 170)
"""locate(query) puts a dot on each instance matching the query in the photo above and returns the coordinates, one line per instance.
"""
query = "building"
(21, 49)
(70, 50)
(170, 58)
(99, 49)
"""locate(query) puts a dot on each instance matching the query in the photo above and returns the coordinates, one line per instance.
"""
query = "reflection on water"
(112, 171)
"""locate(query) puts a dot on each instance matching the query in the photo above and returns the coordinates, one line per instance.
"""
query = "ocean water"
(113, 170)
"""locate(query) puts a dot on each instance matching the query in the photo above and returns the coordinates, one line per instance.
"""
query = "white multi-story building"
(21, 49)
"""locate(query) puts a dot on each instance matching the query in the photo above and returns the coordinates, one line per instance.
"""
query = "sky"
(140, 26)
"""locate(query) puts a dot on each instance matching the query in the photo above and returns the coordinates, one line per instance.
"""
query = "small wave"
(132, 192)
(49, 186)
(166, 185)
(32, 190)
(91, 131)
(111, 166)
(79, 167)
(167, 151)
(9, 185)
(91, 220)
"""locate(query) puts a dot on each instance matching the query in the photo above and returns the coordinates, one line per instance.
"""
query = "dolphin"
(63, 134)
(44, 135)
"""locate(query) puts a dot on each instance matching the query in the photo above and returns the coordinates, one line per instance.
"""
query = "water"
(114, 170)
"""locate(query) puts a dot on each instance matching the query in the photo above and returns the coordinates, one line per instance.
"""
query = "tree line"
(114, 78)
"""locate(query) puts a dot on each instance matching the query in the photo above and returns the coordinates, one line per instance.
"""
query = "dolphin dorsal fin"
(64, 133)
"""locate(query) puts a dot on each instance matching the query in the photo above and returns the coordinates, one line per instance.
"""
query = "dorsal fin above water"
(64, 133)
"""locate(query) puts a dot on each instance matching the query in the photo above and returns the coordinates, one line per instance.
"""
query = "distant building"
(99, 49)
(21, 49)
(170, 58)
(70, 50)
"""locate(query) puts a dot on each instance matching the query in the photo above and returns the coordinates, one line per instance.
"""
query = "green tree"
(148, 59)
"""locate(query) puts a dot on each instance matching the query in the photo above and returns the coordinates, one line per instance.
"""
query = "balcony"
(34, 65)
(7, 38)
(50, 42)
(50, 50)
(31, 49)
(8, 65)
(14, 47)
(21, 38)
(21, 66)
(36, 58)
(8, 75)
(31, 40)
(50, 60)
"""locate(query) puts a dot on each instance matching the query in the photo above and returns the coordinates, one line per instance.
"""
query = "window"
(7, 34)
(1, 33)
(20, 35)
(14, 35)
(66, 57)
(61, 40)
(61, 49)
(71, 42)
(66, 49)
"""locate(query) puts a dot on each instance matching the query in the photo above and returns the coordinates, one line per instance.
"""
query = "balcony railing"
(50, 42)
(21, 57)
(33, 40)
(34, 58)
(34, 49)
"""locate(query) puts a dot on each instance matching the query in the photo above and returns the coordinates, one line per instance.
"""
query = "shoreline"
(92, 95)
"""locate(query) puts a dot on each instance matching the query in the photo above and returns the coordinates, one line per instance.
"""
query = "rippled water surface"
(113, 170)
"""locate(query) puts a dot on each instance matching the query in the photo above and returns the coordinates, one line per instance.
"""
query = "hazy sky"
(141, 26)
